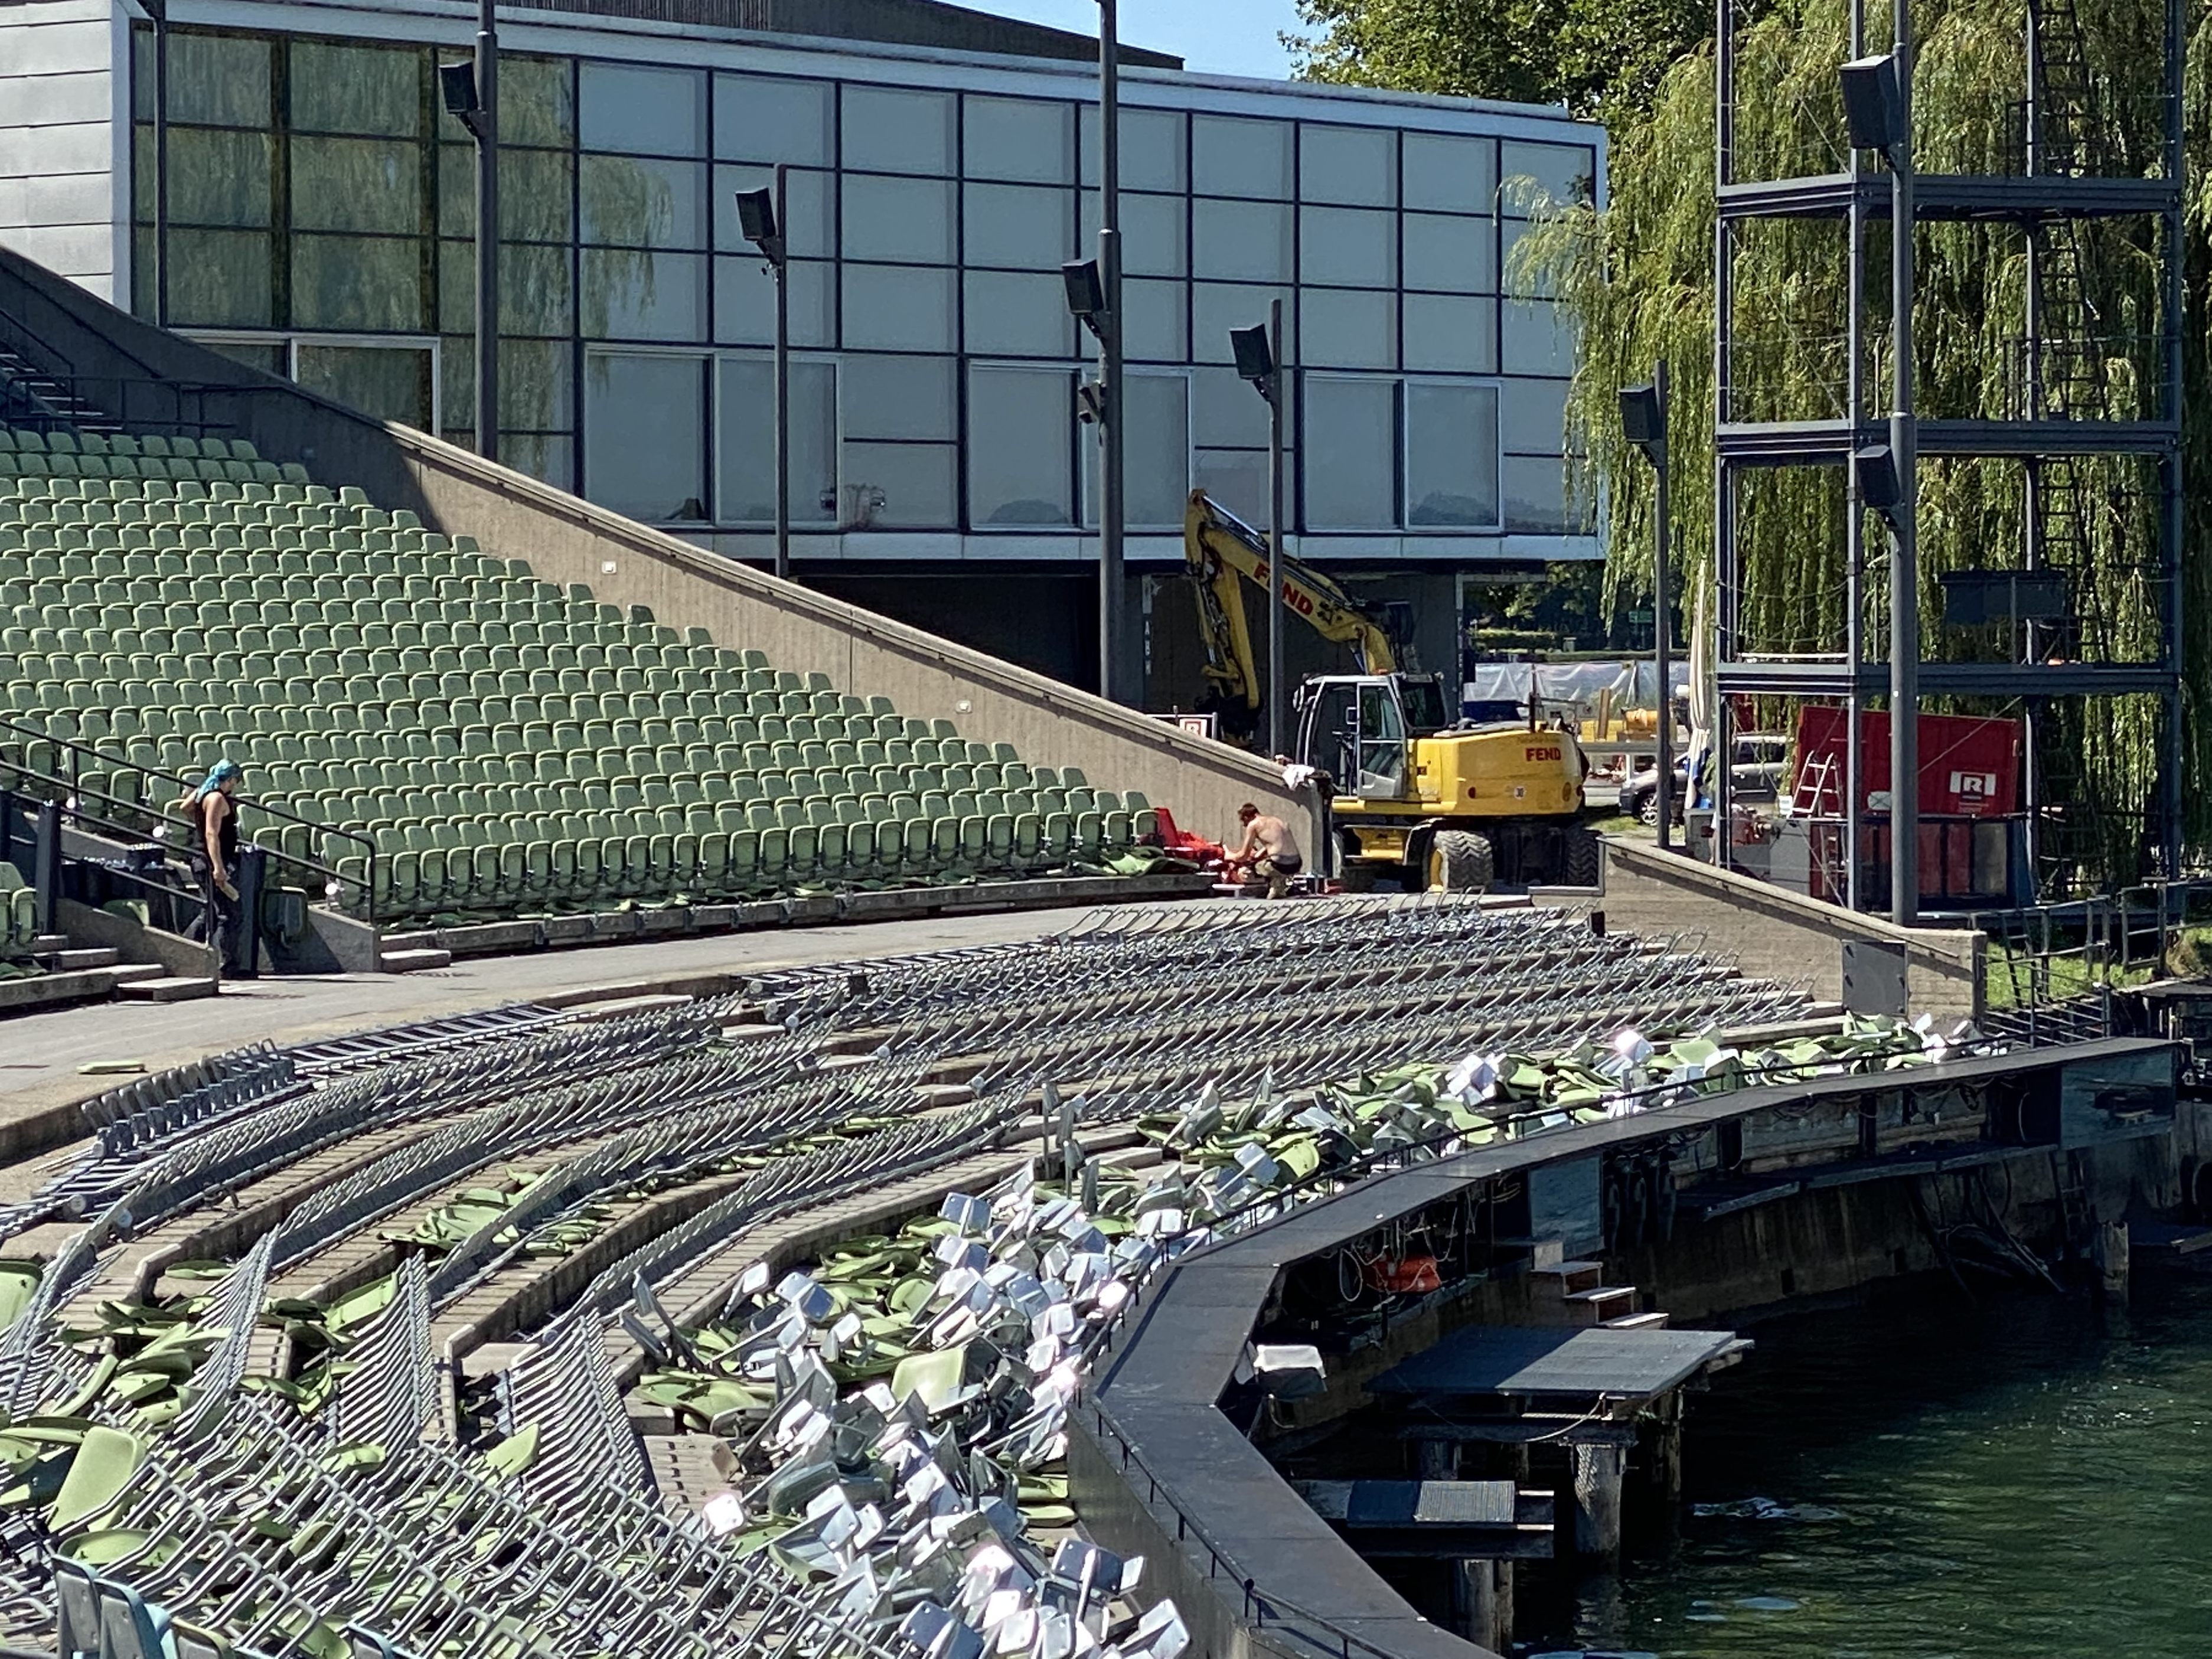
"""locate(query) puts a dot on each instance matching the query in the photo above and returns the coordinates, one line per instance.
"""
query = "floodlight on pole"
(1873, 111)
(1258, 352)
(1643, 423)
(1086, 294)
(457, 88)
(762, 216)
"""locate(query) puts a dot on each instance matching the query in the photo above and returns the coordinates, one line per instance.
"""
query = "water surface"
(2021, 1478)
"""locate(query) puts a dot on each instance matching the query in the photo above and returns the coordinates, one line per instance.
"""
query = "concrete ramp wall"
(1782, 935)
(156, 378)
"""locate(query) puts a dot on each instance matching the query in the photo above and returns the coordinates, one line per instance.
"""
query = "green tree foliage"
(1598, 58)
(1639, 275)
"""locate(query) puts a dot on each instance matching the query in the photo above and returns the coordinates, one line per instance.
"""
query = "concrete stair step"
(1569, 1278)
(1654, 1320)
(412, 961)
(45, 944)
(165, 989)
(72, 960)
(424, 940)
(131, 972)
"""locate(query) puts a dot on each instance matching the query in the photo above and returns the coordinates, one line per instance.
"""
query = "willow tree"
(1638, 273)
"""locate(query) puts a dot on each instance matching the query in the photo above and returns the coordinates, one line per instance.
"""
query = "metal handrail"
(171, 397)
(71, 782)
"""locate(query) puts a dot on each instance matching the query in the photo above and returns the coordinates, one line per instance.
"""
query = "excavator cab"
(1356, 727)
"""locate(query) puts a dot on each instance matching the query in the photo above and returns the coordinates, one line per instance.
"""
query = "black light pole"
(1878, 112)
(471, 95)
(1259, 352)
(1110, 502)
(761, 218)
(1643, 423)
(1098, 403)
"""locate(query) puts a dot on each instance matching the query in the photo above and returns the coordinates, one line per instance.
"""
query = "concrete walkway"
(41, 1054)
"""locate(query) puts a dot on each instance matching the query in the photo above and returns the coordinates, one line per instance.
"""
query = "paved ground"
(41, 1054)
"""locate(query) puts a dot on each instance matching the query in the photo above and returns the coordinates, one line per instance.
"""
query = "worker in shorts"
(1269, 851)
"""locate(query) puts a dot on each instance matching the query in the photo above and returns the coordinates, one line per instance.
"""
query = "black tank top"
(228, 834)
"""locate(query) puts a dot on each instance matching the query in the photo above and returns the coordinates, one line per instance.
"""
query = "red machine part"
(1969, 768)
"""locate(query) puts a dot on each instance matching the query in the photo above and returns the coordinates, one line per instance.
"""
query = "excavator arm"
(1221, 552)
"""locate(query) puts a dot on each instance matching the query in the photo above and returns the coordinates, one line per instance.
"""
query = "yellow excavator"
(1424, 799)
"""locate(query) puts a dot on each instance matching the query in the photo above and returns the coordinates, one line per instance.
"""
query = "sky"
(1220, 37)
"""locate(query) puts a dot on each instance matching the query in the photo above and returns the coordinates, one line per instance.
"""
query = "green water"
(2021, 1479)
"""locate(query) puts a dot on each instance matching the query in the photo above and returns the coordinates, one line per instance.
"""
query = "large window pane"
(757, 119)
(893, 129)
(903, 397)
(1232, 156)
(810, 229)
(744, 301)
(359, 283)
(534, 293)
(1450, 175)
(535, 189)
(1351, 450)
(1217, 307)
(1356, 166)
(215, 177)
(1023, 226)
(367, 89)
(1237, 479)
(1153, 233)
(537, 391)
(1348, 328)
(1021, 315)
(1226, 413)
(1154, 315)
(1156, 439)
(1521, 274)
(548, 456)
(1349, 247)
(1152, 148)
(1019, 440)
(1443, 331)
(632, 295)
(1451, 456)
(218, 278)
(389, 383)
(747, 438)
(898, 309)
(1019, 139)
(634, 203)
(222, 80)
(536, 101)
(1241, 241)
(645, 435)
(1534, 417)
(1537, 495)
(357, 184)
(899, 219)
(1534, 176)
(649, 111)
(1539, 336)
(1455, 256)
(902, 486)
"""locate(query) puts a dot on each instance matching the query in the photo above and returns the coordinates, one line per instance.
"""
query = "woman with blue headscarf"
(208, 808)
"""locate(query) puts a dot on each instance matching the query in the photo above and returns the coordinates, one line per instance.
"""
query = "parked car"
(1762, 760)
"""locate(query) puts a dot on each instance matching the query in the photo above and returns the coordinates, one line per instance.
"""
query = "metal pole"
(782, 379)
(1661, 604)
(1110, 352)
(487, 136)
(1278, 692)
(1904, 567)
(1854, 793)
(161, 165)
(2170, 468)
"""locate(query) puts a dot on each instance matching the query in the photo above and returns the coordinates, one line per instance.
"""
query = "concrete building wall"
(1780, 935)
(62, 171)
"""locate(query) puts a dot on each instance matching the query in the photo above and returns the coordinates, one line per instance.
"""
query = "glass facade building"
(320, 213)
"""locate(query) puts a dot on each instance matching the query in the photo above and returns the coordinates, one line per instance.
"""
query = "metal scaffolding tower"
(2063, 417)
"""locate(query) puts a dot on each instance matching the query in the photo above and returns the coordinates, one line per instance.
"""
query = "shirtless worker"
(1269, 850)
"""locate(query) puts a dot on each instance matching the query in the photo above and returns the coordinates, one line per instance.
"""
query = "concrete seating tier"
(508, 745)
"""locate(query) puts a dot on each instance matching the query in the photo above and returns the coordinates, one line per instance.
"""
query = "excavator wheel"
(1581, 858)
(1461, 861)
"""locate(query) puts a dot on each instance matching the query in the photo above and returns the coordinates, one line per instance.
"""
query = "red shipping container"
(1969, 767)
